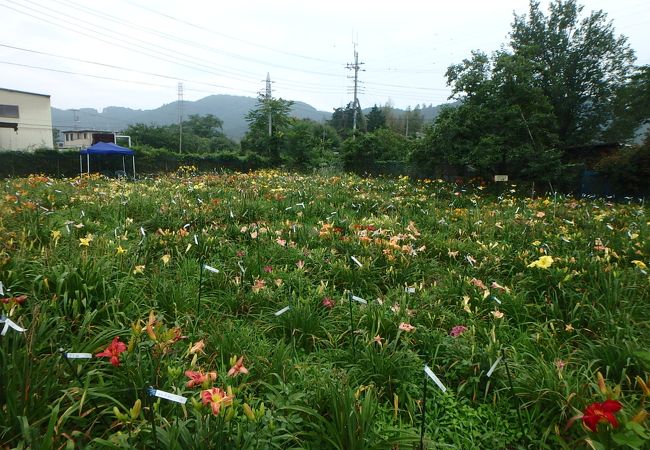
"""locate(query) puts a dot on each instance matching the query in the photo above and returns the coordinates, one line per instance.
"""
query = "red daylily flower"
(238, 368)
(113, 351)
(601, 413)
(216, 397)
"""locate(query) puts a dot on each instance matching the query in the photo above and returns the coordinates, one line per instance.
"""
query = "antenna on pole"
(180, 117)
(356, 66)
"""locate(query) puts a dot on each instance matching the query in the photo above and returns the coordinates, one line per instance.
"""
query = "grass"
(99, 259)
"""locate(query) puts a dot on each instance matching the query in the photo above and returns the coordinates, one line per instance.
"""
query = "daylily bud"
(135, 411)
(230, 413)
(249, 412)
(601, 383)
(260, 411)
(136, 327)
(645, 388)
(640, 417)
(121, 417)
(150, 323)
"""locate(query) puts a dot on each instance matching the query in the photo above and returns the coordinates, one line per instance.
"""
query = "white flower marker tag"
(2, 288)
(167, 396)
(142, 231)
(496, 299)
(435, 379)
(358, 300)
(210, 268)
(287, 208)
(196, 240)
(232, 216)
(78, 355)
(356, 261)
(494, 366)
(10, 324)
(282, 311)
(409, 290)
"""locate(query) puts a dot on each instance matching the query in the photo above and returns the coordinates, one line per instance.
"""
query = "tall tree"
(258, 139)
(375, 119)
(343, 118)
(578, 63)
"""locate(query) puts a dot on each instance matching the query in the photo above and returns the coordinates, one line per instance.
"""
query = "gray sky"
(228, 47)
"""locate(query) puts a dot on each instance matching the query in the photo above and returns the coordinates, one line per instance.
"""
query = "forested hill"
(229, 108)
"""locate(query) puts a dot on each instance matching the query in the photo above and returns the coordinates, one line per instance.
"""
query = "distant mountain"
(229, 108)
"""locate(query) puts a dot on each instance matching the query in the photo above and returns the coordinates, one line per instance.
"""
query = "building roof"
(87, 131)
(23, 92)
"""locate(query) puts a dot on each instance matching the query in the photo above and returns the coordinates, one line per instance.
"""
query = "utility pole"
(356, 67)
(268, 100)
(180, 117)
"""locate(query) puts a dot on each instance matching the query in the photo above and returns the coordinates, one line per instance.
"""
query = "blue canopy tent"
(105, 148)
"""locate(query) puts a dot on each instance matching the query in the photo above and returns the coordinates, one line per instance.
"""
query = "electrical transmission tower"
(180, 117)
(356, 66)
(267, 95)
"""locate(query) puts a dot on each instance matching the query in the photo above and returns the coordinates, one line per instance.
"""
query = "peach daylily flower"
(197, 347)
(238, 368)
(198, 378)
(406, 327)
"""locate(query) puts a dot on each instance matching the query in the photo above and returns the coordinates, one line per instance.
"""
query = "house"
(85, 138)
(25, 120)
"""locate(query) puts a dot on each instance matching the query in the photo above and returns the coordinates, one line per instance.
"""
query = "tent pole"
(123, 166)
(88, 162)
(133, 158)
(81, 166)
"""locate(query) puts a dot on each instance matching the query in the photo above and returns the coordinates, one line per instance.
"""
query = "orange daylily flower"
(113, 351)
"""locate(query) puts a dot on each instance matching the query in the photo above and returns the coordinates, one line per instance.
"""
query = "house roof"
(87, 131)
(23, 92)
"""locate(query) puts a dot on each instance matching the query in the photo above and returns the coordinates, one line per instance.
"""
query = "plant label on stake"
(167, 395)
(435, 379)
(493, 367)
(210, 268)
(356, 261)
(2, 288)
(409, 290)
(282, 311)
(142, 231)
(358, 299)
(78, 355)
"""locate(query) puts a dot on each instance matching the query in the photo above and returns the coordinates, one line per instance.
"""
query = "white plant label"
(10, 324)
(356, 261)
(2, 288)
(196, 240)
(410, 290)
(168, 396)
(78, 355)
(359, 300)
(282, 311)
(210, 268)
(435, 379)
(496, 299)
(494, 366)
(142, 231)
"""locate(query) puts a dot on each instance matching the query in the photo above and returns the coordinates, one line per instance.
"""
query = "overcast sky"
(219, 47)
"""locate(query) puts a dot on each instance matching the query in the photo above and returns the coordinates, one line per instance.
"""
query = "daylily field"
(275, 310)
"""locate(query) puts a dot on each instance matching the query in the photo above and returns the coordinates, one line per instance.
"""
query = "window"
(9, 111)
(85, 135)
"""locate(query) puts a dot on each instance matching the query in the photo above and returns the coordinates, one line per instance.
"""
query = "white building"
(25, 120)
(85, 138)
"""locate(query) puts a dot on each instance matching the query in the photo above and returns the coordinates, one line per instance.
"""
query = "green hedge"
(148, 161)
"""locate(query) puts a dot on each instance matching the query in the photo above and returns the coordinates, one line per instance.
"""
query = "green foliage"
(309, 145)
(504, 124)
(628, 169)
(578, 63)
(342, 120)
(201, 134)
(268, 124)
(368, 148)
(375, 119)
